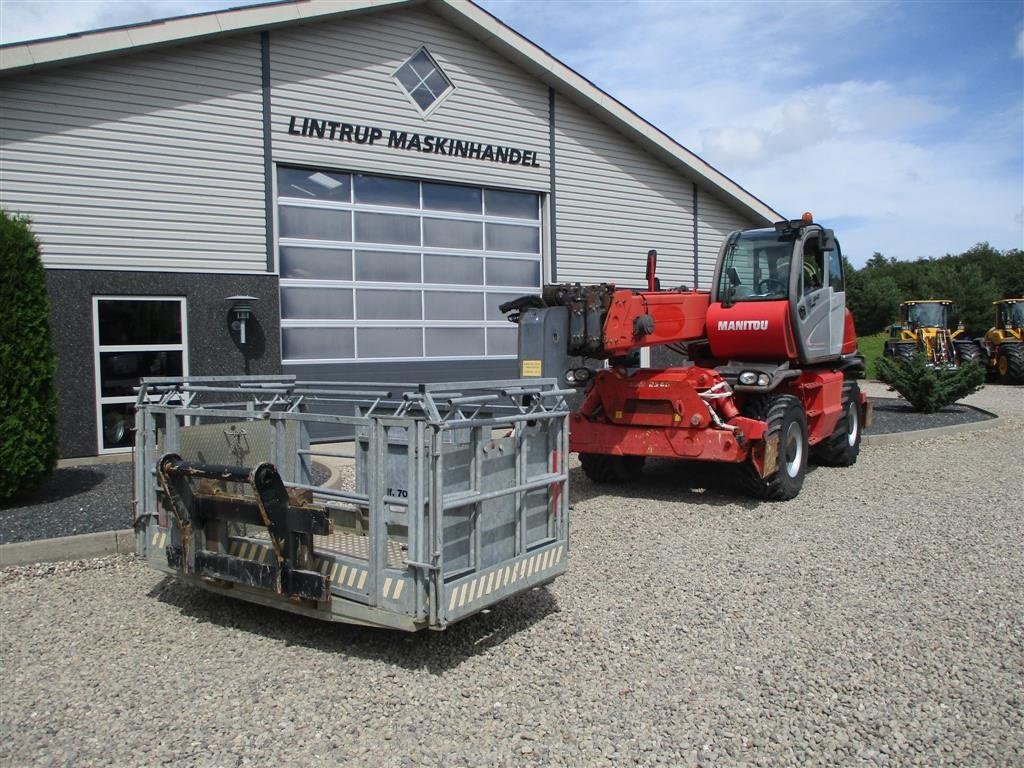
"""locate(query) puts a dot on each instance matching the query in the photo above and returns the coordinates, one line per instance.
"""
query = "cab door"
(813, 300)
(837, 299)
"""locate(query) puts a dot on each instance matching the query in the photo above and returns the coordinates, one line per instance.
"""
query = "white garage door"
(388, 269)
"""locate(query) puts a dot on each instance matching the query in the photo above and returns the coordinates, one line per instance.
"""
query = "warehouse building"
(335, 190)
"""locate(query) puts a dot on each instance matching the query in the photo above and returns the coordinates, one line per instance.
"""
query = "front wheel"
(841, 448)
(1010, 364)
(786, 419)
(608, 469)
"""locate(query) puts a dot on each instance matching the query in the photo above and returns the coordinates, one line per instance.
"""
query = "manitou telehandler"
(768, 368)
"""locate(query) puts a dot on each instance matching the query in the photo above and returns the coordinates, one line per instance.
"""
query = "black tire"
(608, 469)
(786, 418)
(969, 352)
(904, 350)
(1010, 363)
(841, 448)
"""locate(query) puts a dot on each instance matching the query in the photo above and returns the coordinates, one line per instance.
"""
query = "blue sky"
(901, 124)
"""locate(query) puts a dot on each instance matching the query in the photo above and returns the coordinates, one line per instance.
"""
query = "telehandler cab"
(769, 373)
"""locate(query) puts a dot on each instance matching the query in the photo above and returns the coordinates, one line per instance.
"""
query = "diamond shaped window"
(423, 80)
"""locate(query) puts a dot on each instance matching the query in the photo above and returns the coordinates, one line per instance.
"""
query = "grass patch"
(871, 347)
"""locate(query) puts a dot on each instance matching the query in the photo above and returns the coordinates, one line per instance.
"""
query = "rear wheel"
(785, 417)
(841, 448)
(605, 468)
(969, 352)
(1010, 364)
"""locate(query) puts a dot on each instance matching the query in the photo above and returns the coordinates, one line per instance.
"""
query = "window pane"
(422, 64)
(442, 233)
(388, 267)
(120, 371)
(315, 223)
(436, 83)
(454, 305)
(452, 197)
(319, 263)
(139, 322)
(496, 299)
(423, 97)
(453, 270)
(455, 342)
(502, 341)
(408, 77)
(118, 425)
(513, 272)
(387, 228)
(317, 343)
(508, 237)
(313, 185)
(390, 342)
(388, 305)
(518, 205)
(380, 190)
(316, 304)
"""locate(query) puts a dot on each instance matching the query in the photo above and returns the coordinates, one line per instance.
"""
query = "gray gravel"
(877, 619)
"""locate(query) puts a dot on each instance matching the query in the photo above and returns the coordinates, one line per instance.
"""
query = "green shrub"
(929, 389)
(28, 400)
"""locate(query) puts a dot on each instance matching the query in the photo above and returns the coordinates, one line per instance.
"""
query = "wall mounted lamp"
(241, 308)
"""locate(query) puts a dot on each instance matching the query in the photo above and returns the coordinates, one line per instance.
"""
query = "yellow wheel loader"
(924, 328)
(1003, 345)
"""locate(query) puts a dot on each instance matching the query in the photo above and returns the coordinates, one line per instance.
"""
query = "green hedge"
(28, 400)
(929, 389)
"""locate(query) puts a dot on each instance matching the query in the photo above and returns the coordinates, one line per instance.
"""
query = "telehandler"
(769, 368)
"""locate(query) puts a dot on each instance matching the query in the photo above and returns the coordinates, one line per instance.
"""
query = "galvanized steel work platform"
(450, 497)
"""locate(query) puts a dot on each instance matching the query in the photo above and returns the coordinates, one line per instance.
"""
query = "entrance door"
(134, 336)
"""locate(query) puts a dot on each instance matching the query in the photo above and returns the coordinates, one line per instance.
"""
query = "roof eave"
(134, 38)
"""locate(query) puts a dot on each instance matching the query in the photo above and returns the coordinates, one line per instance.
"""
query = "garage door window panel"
(524, 272)
(513, 205)
(513, 239)
(452, 197)
(317, 303)
(382, 190)
(455, 342)
(389, 342)
(388, 267)
(318, 343)
(315, 223)
(451, 233)
(387, 228)
(316, 263)
(305, 184)
(373, 304)
(453, 270)
(454, 305)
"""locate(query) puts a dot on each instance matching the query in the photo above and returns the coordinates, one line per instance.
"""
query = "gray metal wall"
(151, 161)
(213, 350)
(344, 71)
(615, 201)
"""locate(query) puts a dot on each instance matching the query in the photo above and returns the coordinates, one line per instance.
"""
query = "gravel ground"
(877, 619)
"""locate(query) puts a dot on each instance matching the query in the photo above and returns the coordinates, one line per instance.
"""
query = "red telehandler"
(768, 369)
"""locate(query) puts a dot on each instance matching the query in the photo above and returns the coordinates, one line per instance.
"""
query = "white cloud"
(1020, 44)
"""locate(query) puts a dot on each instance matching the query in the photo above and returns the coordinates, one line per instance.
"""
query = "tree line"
(972, 280)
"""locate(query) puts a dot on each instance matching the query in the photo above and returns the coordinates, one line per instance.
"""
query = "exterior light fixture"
(241, 308)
